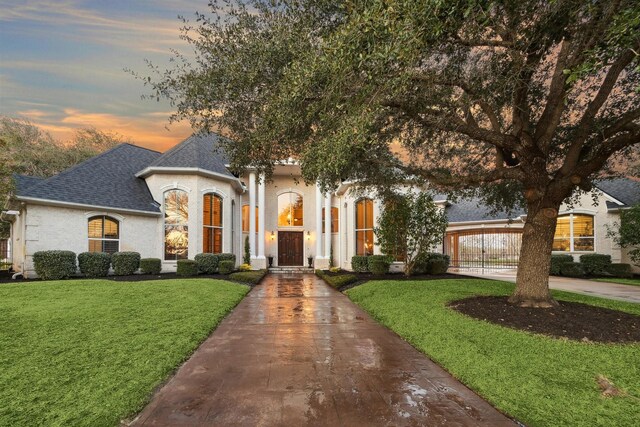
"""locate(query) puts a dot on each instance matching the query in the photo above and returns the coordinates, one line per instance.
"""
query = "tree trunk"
(532, 282)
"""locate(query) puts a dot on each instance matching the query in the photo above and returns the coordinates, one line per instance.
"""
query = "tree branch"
(445, 179)
(586, 122)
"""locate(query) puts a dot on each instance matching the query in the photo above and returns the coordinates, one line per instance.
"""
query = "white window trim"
(572, 237)
(213, 227)
(173, 187)
(355, 224)
(103, 215)
(289, 227)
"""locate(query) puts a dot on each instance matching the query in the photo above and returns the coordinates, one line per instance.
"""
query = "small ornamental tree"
(409, 226)
(246, 259)
(628, 235)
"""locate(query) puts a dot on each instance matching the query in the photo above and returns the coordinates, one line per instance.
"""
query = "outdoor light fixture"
(308, 235)
(273, 236)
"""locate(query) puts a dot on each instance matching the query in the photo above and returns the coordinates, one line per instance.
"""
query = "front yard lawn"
(633, 282)
(539, 380)
(91, 352)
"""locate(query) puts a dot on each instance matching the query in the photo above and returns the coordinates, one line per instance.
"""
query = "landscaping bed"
(91, 352)
(537, 379)
(248, 277)
(570, 320)
(343, 280)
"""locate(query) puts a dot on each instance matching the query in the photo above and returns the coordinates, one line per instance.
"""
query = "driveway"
(615, 291)
(297, 352)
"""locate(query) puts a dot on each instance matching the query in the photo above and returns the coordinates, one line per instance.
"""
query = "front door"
(290, 251)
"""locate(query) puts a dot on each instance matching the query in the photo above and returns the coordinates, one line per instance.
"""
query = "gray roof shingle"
(107, 180)
(202, 151)
(24, 182)
(466, 210)
(625, 190)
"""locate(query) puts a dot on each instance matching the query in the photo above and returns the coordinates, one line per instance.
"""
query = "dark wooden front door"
(290, 250)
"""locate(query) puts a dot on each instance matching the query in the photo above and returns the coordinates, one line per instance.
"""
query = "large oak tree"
(525, 101)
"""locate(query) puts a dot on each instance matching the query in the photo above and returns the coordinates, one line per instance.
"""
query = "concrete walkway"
(296, 352)
(615, 291)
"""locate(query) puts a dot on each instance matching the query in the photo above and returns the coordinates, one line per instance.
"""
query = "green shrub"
(572, 269)
(430, 263)
(338, 281)
(438, 266)
(595, 264)
(246, 259)
(227, 267)
(151, 265)
(227, 257)
(94, 264)
(54, 265)
(125, 263)
(360, 264)
(620, 270)
(207, 263)
(187, 267)
(252, 277)
(556, 263)
(378, 264)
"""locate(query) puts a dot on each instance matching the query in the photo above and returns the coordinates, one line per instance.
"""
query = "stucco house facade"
(186, 201)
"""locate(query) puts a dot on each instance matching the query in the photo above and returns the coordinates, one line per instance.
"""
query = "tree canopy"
(26, 149)
(523, 101)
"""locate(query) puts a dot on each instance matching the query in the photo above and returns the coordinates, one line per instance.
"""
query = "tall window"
(245, 219)
(290, 208)
(176, 228)
(364, 227)
(104, 234)
(212, 224)
(574, 233)
(334, 220)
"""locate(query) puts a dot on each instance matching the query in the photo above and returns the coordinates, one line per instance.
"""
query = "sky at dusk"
(62, 64)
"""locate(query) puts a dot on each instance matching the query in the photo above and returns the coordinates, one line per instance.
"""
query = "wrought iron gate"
(484, 247)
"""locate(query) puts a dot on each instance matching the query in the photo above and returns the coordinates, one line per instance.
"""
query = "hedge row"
(56, 265)
(425, 263)
(251, 277)
(589, 265)
(337, 281)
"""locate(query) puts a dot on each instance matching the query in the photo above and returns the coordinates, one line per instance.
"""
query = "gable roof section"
(107, 180)
(200, 151)
(625, 190)
(24, 182)
(471, 210)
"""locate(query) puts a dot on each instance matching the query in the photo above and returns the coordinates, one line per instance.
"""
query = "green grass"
(633, 282)
(90, 352)
(538, 380)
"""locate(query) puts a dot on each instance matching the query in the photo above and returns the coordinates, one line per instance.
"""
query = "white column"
(327, 225)
(318, 222)
(252, 214)
(261, 216)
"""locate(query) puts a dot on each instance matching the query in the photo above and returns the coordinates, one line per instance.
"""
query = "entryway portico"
(289, 238)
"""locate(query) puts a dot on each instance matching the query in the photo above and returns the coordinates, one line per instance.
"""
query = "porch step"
(290, 270)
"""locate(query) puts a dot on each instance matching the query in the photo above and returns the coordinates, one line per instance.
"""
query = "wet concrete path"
(296, 352)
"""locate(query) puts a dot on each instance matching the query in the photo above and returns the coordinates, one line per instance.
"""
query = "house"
(185, 201)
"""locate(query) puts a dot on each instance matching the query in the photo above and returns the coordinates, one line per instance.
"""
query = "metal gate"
(484, 248)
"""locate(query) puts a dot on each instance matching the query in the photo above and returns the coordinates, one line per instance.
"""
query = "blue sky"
(61, 64)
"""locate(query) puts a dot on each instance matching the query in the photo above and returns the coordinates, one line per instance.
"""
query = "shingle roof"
(202, 151)
(466, 210)
(625, 190)
(24, 182)
(107, 180)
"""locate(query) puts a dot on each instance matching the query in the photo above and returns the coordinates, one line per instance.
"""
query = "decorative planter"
(310, 260)
(270, 258)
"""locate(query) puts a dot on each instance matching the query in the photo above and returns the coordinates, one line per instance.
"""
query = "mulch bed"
(571, 320)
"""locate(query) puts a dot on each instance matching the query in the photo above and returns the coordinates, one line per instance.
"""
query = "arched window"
(104, 234)
(176, 228)
(574, 233)
(364, 227)
(290, 210)
(212, 224)
(245, 218)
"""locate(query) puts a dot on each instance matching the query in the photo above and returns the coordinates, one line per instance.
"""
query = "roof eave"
(63, 204)
(189, 171)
